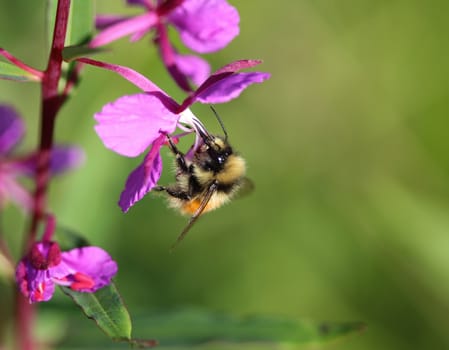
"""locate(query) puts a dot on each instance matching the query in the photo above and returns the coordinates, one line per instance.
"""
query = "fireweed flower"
(85, 269)
(13, 167)
(131, 124)
(204, 26)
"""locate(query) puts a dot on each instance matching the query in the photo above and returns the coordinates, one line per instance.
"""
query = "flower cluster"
(13, 167)
(133, 123)
(129, 126)
(82, 269)
(85, 269)
(204, 26)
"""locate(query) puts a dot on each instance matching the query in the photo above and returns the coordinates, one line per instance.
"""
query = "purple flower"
(12, 167)
(85, 269)
(204, 26)
(133, 123)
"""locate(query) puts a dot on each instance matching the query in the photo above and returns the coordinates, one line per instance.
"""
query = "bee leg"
(159, 188)
(180, 160)
(173, 192)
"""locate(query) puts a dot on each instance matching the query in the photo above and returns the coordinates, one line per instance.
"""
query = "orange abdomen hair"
(216, 201)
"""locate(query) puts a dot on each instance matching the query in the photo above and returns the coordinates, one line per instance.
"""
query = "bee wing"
(246, 186)
(209, 192)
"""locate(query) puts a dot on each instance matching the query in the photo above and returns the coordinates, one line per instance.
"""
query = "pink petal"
(11, 128)
(206, 25)
(222, 76)
(137, 2)
(34, 284)
(64, 158)
(104, 21)
(235, 66)
(143, 178)
(132, 76)
(131, 123)
(11, 190)
(230, 87)
(193, 67)
(136, 36)
(126, 27)
(93, 262)
(21, 278)
(225, 71)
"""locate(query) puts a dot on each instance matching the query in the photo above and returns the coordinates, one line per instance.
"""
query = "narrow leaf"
(6, 268)
(193, 327)
(11, 72)
(81, 22)
(50, 20)
(69, 239)
(106, 308)
(71, 53)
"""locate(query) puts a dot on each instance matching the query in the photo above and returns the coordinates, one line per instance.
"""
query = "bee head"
(217, 149)
(213, 154)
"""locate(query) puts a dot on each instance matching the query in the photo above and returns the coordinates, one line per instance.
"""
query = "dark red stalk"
(18, 63)
(168, 6)
(51, 103)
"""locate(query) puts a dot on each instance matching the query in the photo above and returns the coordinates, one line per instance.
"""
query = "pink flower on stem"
(12, 167)
(204, 26)
(133, 123)
(85, 269)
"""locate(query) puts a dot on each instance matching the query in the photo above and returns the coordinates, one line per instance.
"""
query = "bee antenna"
(220, 121)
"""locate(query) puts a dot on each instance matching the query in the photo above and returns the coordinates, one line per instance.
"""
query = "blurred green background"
(347, 145)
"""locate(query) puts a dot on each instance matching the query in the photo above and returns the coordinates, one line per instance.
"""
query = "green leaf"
(81, 21)
(69, 239)
(71, 53)
(6, 268)
(11, 72)
(107, 309)
(193, 327)
(50, 19)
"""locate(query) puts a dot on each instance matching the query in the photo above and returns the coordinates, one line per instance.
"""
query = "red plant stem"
(129, 74)
(51, 103)
(18, 63)
(24, 312)
(72, 80)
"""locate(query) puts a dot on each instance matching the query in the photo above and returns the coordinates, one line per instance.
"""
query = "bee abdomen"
(226, 188)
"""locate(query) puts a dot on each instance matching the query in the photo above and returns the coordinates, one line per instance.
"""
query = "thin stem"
(18, 63)
(51, 103)
(168, 6)
(129, 74)
(127, 26)
(24, 322)
(50, 228)
(5, 255)
(72, 80)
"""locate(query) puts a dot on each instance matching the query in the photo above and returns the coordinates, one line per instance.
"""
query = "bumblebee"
(210, 176)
